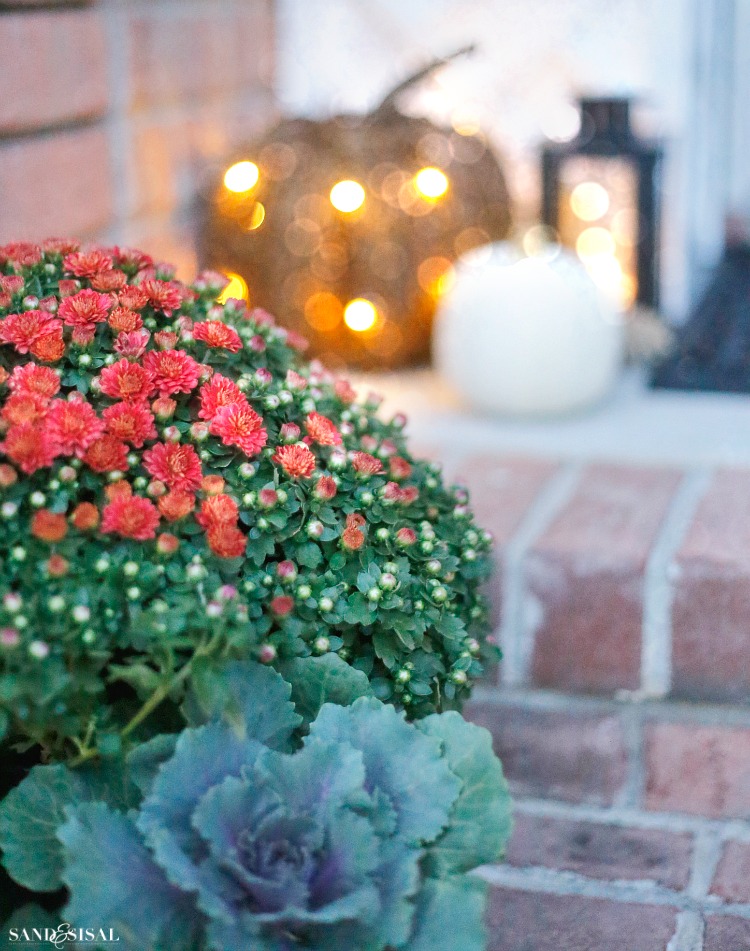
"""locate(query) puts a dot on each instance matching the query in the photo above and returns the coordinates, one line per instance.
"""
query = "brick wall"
(111, 111)
(621, 709)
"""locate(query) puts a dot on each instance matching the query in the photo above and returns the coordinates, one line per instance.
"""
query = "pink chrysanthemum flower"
(130, 516)
(239, 425)
(72, 425)
(127, 381)
(172, 371)
(130, 422)
(31, 378)
(297, 461)
(217, 393)
(214, 333)
(177, 466)
(321, 430)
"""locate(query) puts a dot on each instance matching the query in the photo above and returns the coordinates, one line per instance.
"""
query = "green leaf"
(32, 812)
(481, 818)
(309, 555)
(114, 883)
(358, 611)
(4, 724)
(450, 915)
(386, 650)
(251, 698)
(29, 817)
(142, 678)
(319, 680)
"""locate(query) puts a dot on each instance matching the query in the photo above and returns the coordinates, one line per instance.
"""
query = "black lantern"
(601, 196)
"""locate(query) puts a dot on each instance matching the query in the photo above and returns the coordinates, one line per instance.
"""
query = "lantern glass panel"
(597, 217)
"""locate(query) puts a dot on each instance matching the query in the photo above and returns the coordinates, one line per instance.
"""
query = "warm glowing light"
(236, 288)
(594, 242)
(323, 311)
(589, 201)
(360, 315)
(431, 183)
(257, 216)
(242, 176)
(436, 276)
(347, 196)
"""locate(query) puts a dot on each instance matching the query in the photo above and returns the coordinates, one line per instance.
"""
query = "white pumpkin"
(527, 336)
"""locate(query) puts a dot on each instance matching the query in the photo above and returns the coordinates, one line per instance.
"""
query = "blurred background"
(216, 132)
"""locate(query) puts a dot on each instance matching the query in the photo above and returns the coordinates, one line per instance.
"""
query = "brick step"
(617, 577)
(632, 824)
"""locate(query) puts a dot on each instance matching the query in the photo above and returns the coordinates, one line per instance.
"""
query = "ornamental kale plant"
(178, 486)
(229, 838)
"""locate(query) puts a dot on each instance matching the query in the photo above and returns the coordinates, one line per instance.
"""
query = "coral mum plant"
(177, 487)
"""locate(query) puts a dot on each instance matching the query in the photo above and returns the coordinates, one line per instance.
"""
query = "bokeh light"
(431, 183)
(257, 216)
(589, 201)
(236, 289)
(360, 315)
(594, 242)
(347, 196)
(241, 177)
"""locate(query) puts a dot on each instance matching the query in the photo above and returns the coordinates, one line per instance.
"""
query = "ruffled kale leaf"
(254, 700)
(115, 883)
(450, 915)
(405, 765)
(326, 679)
(481, 818)
(358, 838)
(31, 813)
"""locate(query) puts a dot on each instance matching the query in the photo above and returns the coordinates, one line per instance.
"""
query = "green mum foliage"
(364, 836)
(178, 486)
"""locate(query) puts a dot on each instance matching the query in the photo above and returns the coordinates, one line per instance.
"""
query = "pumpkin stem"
(389, 103)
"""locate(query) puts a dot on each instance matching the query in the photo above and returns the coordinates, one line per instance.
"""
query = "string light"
(241, 177)
(347, 196)
(431, 183)
(236, 289)
(360, 315)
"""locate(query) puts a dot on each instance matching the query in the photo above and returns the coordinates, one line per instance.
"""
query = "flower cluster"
(175, 479)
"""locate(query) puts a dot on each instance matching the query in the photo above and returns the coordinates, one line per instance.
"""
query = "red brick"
(169, 156)
(601, 851)
(702, 770)
(587, 574)
(732, 879)
(569, 756)
(727, 934)
(711, 611)
(64, 71)
(229, 52)
(56, 185)
(502, 490)
(528, 921)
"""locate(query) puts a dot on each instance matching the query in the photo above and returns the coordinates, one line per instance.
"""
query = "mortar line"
(516, 635)
(656, 649)
(707, 850)
(689, 932)
(661, 711)
(632, 790)
(628, 817)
